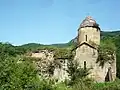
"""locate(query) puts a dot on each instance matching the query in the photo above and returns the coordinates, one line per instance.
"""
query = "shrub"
(17, 76)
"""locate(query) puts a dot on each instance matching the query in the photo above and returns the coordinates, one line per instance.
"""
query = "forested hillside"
(23, 76)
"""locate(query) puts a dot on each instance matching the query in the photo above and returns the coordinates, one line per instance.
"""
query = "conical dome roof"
(89, 22)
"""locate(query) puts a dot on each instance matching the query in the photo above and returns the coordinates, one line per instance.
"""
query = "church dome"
(89, 22)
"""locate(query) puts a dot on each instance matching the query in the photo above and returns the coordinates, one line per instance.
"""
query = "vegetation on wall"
(106, 51)
(115, 38)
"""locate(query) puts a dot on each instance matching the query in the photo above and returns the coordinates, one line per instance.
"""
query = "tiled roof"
(89, 22)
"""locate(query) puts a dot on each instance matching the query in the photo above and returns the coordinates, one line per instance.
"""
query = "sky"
(53, 21)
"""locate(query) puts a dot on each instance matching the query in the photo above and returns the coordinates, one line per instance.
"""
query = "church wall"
(89, 55)
(89, 34)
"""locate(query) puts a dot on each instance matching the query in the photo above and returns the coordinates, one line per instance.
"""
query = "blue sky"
(53, 21)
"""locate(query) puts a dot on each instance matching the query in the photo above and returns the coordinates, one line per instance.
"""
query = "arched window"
(108, 76)
(85, 65)
(86, 37)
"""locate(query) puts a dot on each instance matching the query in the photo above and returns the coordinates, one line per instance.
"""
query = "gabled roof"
(85, 44)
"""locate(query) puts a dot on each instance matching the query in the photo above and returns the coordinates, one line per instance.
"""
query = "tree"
(76, 73)
(17, 76)
(106, 51)
(117, 43)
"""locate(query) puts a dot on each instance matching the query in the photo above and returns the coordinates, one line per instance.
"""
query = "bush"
(108, 85)
(76, 73)
(17, 76)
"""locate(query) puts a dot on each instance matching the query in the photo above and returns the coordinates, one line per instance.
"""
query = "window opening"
(86, 37)
(85, 65)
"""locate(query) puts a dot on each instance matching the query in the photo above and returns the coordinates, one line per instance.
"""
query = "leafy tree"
(76, 73)
(106, 51)
(117, 43)
(17, 76)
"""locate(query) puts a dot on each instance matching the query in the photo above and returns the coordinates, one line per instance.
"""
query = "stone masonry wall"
(92, 34)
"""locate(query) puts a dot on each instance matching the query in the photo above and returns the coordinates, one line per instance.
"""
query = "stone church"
(87, 51)
(86, 54)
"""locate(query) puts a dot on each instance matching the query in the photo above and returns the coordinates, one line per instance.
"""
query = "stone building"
(87, 51)
(86, 54)
(60, 73)
(48, 66)
(43, 61)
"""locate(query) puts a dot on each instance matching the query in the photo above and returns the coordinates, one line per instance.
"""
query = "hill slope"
(70, 43)
(18, 50)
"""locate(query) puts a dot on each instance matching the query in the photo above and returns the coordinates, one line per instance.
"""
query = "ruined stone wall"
(110, 64)
(43, 62)
(49, 67)
(60, 72)
(84, 54)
